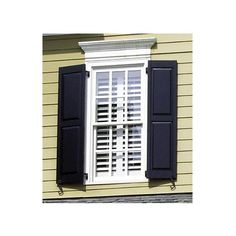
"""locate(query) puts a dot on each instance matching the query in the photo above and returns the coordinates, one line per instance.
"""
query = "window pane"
(134, 162)
(118, 110)
(102, 138)
(134, 136)
(134, 82)
(102, 109)
(134, 108)
(118, 137)
(134, 90)
(118, 83)
(118, 89)
(102, 164)
(118, 163)
(102, 84)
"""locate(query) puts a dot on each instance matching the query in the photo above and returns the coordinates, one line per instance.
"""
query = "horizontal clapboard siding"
(176, 47)
(80, 192)
(51, 131)
(49, 149)
(183, 57)
(182, 169)
(183, 89)
(182, 156)
(49, 110)
(184, 78)
(183, 122)
(50, 164)
(51, 142)
(71, 42)
(64, 51)
(50, 186)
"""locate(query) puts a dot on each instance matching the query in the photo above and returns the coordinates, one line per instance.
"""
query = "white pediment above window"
(117, 45)
(117, 48)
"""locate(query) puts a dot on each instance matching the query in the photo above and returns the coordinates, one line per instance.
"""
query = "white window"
(116, 110)
(118, 121)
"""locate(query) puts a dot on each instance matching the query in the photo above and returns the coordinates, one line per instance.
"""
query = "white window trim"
(108, 54)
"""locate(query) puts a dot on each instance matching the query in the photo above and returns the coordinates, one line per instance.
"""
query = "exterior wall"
(63, 50)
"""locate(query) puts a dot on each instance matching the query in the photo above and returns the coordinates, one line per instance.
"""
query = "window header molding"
(117, 49)
(117, 45)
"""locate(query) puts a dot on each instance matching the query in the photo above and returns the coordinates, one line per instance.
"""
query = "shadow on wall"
(151, 184)
(157, 183)
(67, 43)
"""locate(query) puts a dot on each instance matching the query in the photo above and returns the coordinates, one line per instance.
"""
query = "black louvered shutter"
(162, 120)
(71, 110)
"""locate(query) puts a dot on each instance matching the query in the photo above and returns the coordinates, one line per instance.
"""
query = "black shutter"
(71, 110)
(162, 120)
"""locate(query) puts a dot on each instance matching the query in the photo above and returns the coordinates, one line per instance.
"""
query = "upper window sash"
(109, 93)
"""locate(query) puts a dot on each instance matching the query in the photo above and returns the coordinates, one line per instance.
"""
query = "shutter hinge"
(60, 192)
(87, 74)
(86, 176)
(172, 187)
(146, 70)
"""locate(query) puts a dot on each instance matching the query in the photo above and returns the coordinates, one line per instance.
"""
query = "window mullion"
(110, 150)
(109, 119)
(94, 165)
(119, 137)
(126, 119)
(126, 150)
(126, 95)
(110, 98)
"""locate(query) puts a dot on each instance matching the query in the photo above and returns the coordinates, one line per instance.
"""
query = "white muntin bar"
(110, 151)
(119, 128)
(117, 150)
(138, 122)
(126, 126)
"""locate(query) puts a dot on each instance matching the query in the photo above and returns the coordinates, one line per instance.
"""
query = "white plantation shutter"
(118, 123)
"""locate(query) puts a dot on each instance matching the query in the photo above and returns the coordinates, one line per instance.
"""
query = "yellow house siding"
(63, 50)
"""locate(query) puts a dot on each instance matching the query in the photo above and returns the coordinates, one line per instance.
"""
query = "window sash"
(91, 124)
(125, 123)
(126, 96)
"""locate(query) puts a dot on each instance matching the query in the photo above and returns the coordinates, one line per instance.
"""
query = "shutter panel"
(162, 120)
(71, 110)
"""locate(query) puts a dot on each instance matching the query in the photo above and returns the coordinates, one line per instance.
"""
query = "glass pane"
(118, 83)
(118, 109)
(102, 109)
(134, 136)
(102, 164)
(134, 162)
(118, 163)
(118, 137)
(134, 108)
(134, 82)
(102, 138)
(102, 84)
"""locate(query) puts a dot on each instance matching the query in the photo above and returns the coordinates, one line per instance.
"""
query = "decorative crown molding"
(117, 45)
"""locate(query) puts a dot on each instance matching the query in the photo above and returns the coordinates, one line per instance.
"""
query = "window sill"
(117, 181)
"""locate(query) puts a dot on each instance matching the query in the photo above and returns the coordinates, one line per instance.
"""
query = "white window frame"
(107, 55)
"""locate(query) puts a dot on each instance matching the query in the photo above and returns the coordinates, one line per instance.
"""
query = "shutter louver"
(71, 109)
(162, 120)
